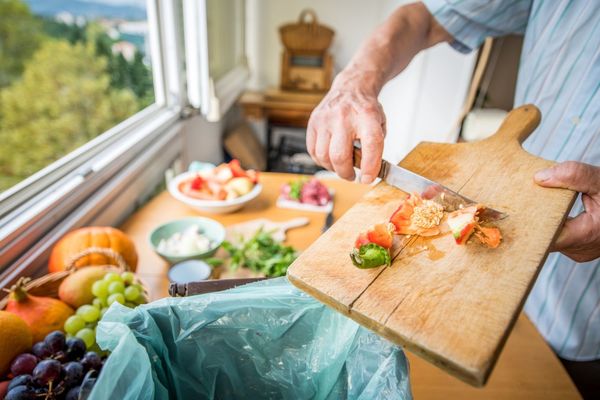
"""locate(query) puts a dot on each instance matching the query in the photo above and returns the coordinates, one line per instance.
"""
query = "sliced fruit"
(197, 183)
(236, 169)
(253, 175)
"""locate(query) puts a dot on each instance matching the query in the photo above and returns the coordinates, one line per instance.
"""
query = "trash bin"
(266, 340)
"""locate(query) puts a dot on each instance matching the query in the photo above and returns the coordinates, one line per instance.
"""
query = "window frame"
(213, 99)
(45, 202)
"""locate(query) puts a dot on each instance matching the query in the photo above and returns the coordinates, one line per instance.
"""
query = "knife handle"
(357, 157)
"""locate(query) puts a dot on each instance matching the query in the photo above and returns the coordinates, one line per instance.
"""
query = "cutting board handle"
(518, 124)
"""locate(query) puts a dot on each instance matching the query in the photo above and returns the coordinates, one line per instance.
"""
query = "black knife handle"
(208, 286)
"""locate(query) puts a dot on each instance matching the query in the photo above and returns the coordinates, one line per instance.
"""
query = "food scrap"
(464, 222)
(372, 248)
(419, 217)
(225, 182)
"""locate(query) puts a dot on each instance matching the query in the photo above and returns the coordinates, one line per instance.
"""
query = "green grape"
(132, 293)
(128, 277)
(118, 297)
(142, 299)
(88, 336)
(88, 313)
(99, 303)
(116, 287)
(113, 277)
(100, 289)
(103, 311)
(74, 324)
(130, 304)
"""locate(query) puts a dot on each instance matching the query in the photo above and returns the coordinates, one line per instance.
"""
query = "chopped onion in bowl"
(189, 241)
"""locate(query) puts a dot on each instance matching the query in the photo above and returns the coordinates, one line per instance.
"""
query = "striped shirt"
(560, 73)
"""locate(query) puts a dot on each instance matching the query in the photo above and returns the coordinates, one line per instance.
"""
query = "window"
(225, 28)
(111, 115)
(70, 72)
(123, 62)
(216, 66)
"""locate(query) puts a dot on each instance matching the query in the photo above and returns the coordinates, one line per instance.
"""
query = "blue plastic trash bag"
(266, 340)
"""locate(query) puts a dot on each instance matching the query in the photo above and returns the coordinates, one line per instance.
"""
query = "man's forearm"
(391, 47)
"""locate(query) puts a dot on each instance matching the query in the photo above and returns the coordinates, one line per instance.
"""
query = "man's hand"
(350, 111)
(347, 113)
(580, 236)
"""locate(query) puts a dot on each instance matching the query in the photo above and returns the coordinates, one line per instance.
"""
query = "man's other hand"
(580, 236)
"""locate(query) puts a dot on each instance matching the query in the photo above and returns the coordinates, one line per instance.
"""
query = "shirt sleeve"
(471, 21)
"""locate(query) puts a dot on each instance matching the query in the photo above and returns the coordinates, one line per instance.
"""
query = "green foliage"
(59, 30)
(63, 100)
(19, 38)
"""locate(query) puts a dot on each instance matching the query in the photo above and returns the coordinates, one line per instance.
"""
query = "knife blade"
(410, 182)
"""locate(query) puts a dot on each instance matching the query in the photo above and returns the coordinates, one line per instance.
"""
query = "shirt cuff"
(467, 34)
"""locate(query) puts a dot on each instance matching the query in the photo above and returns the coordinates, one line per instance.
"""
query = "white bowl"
(210, 206)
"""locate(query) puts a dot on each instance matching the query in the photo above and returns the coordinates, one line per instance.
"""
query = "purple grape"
(61, 356)
(41, 392)
(91, 360)
(23, 364)
(21, 380)
(55, 341)
(20, 393)
(75, 349)
(41, 350)
(47, 371)
(73, 373)
(73, 394)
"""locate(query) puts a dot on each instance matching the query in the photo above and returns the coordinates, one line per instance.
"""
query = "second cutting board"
(453, 305)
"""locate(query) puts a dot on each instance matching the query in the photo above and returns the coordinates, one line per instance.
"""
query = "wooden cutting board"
(453, 305)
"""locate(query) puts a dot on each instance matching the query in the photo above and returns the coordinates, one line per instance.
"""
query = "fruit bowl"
(210, 228)
(210, 206)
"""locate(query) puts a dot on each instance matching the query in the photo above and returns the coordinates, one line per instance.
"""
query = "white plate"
(210, 206)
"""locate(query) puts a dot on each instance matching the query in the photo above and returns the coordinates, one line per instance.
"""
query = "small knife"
(410, 182)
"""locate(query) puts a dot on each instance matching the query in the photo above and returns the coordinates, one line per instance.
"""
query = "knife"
(410, 182)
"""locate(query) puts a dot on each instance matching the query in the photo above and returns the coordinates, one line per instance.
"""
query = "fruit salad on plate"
(420, 217)
(227, 181)
(305, 194)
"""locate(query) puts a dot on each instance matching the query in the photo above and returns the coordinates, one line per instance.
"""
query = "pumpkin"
(78, 240)
(42, 314)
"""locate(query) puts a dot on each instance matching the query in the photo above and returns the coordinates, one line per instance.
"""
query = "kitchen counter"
(527, 368)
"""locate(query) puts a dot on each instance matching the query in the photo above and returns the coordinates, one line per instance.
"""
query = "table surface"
(527, 368)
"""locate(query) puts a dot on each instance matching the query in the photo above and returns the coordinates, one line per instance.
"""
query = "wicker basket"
(47, 285)
(306, 36)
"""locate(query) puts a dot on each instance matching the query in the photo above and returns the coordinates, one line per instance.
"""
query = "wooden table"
(527, 368)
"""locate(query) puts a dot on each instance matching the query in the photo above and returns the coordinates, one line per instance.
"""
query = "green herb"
(296, 188)
(370, 255)
(261, 254)
(213, 261)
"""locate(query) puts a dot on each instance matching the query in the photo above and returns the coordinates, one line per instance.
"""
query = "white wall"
(422, 103)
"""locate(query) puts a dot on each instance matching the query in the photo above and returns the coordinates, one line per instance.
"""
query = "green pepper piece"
(370, 255)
